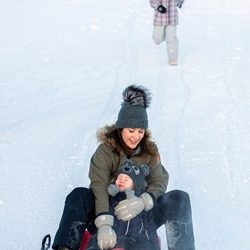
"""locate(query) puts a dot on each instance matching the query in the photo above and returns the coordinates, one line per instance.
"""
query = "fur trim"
(137, 96)
(101, 134)
(113, 191)
(109, 135)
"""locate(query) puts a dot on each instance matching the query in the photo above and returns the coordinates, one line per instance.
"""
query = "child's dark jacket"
(136, 234)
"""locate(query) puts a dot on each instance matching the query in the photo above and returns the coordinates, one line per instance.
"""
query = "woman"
(87, 208)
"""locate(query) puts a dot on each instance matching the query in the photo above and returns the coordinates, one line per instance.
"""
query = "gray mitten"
(129, 193)
(129, 208)
(106, 236)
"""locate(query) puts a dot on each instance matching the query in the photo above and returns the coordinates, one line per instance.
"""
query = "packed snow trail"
(63, 66)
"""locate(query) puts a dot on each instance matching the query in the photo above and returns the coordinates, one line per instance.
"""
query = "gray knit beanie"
(133, 112)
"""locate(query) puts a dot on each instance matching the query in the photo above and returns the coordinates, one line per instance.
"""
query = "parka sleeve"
(158, 178)
(99, 174)
(158, 181)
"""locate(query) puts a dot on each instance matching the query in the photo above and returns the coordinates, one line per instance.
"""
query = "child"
(165, 23)
(139, 232)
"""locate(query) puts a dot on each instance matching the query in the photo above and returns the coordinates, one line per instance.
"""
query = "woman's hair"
(113, 134)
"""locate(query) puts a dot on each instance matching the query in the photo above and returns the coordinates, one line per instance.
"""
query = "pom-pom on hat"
(136, 173)
(133, 114)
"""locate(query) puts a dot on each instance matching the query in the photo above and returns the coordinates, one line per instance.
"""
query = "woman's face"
(132, 136)
(123, 182)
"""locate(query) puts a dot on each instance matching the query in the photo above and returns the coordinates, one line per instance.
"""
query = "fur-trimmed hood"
(101, 133)
(111, 135)
(108, 135)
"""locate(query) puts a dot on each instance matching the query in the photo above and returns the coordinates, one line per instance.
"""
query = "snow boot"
(172, 48)
(177, 236)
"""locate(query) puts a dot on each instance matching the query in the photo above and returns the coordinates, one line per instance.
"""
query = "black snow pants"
(172, 209)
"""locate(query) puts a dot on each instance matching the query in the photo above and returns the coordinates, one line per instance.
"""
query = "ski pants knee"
(173, 209)
(78, 214)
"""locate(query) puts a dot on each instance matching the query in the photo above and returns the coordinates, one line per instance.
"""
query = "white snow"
(63, 66)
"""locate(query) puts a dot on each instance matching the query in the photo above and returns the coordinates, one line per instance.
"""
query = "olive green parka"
(105, 163)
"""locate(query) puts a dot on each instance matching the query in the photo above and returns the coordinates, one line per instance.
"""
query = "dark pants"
(172, 208)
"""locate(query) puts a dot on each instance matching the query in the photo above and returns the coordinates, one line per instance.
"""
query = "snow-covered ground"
(63, 66)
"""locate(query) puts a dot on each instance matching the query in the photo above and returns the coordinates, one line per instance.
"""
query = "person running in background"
(165, 26)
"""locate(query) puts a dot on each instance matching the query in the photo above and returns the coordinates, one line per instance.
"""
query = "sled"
(86, 237)
(46, 242)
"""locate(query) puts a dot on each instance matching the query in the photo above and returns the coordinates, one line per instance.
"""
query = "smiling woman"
(89, 208)
(132, 136)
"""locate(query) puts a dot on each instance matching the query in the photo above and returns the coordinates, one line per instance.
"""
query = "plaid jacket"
(168, 18)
